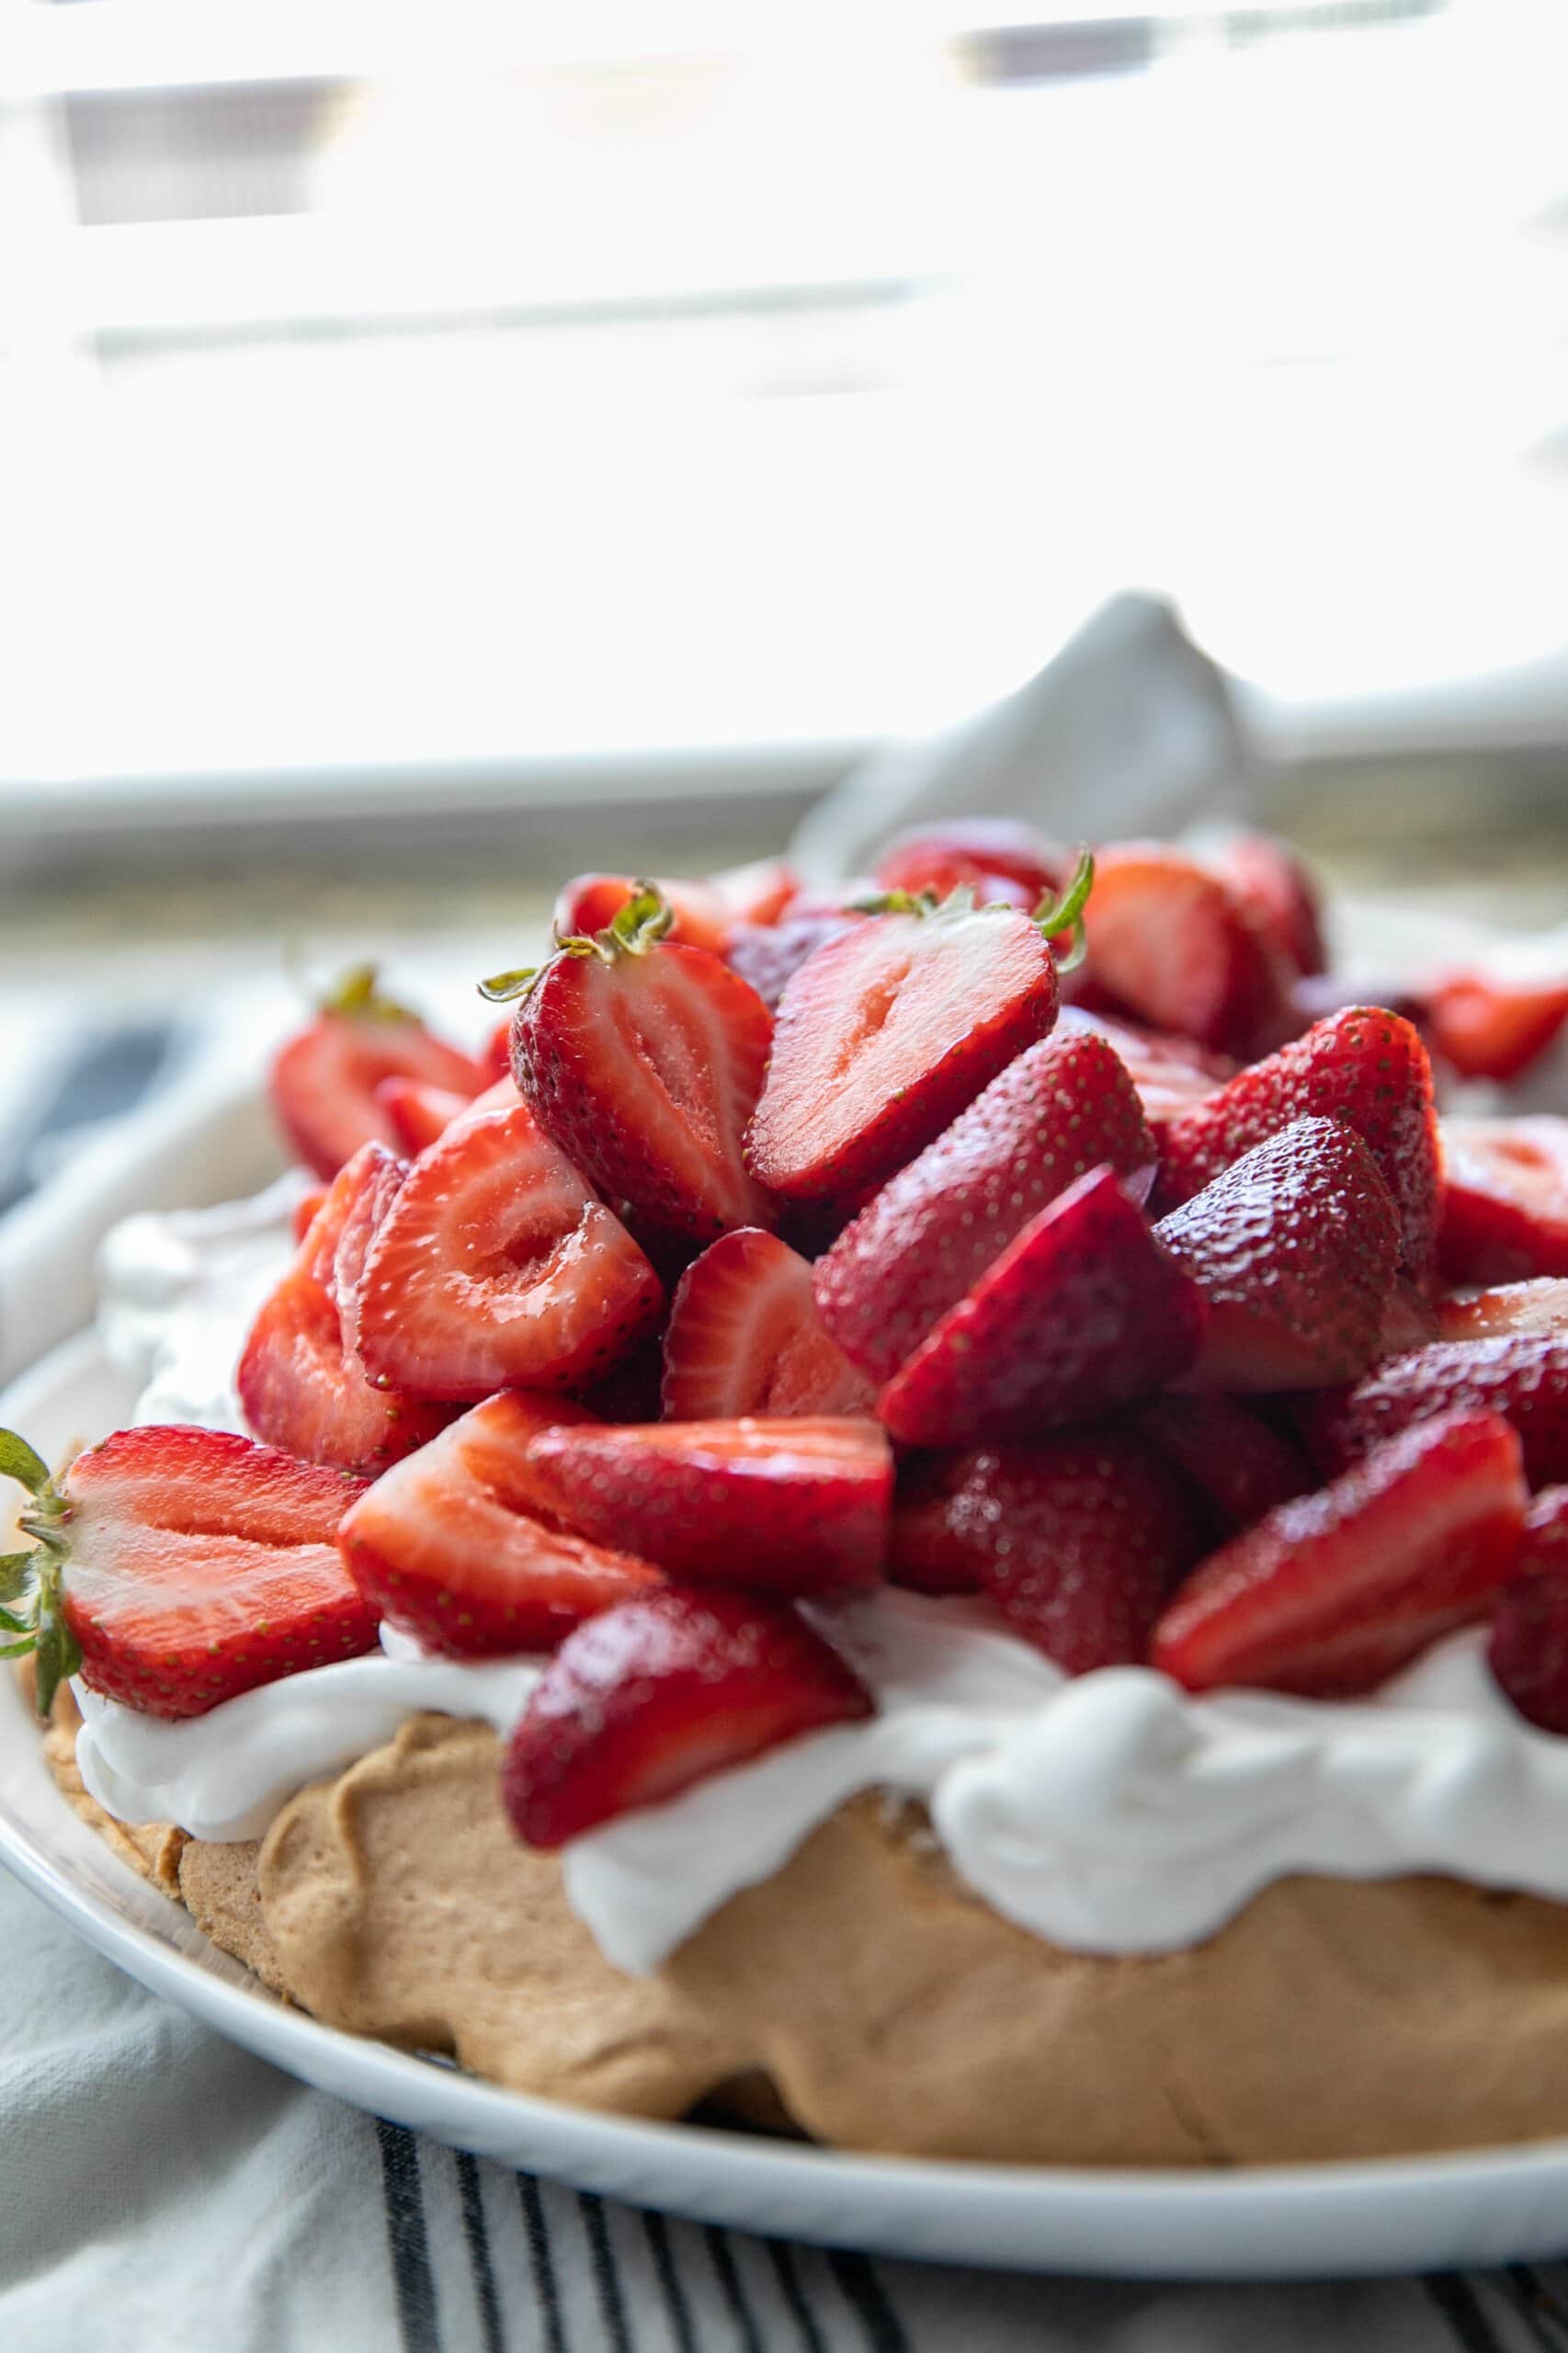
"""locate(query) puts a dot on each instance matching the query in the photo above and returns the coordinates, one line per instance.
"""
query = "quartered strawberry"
(1274, 885)
(1078, 1540)
(1366, 1067)
(1505, 1199)
(768, 956)
(744, 1338)
(994, 857)
(1528, 1652)
(1084, 1311)
(1534, 1308)
(923, 1550)
(1061, 1107)
(301, 1380)
(496, 1268)
(178, 1567)
(1485, 1028)
(1177, 947)
(1170, 1075)
(757, 893)
(641, 1703)
(1333, 1593)
(456, 1548)
(643, 1060)
(590, 903)
(1294, 1246)
(417, 1113)
(1521, 1376)
(787, 1508)
(323, 1081)
(887, 1032)
(1239, 1462)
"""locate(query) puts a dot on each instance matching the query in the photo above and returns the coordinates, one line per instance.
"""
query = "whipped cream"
(1111, 1813)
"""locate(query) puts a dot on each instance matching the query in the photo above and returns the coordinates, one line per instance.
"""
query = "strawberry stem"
(638, 926)
(33, 1579)
(355, 993)
(1064, 913)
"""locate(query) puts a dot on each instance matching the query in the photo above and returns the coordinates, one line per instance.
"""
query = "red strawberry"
(1243, 1466)
(178, 1567)
(304, 1211)
(496, 1266)
(455, 1547)
(994, 857)
(1365, 1067)
(1294, 1247)
(644, 1059)
(1484, 1029)
(1333, 1593)
(757, 893)
(1171, 1074)
(1529, 1653)
(590, 903)
(418, 1114)
(1273, 884)
(1410, 1320)
(1063, 1107)
(323, 1081)
(300, 1381)
(923, 1551)
(1177, 948)
(639, 1704)
(1084, 1311)
(1078, 1540)
(495, 1056)
(1531, 1307)
(886, 1033)
(744, 1338)
(785, 1507)
(1522, 1377)
(767, 956)
(1506, 1200)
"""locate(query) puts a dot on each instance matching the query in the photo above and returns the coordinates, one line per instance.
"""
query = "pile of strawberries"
(1091, 1260)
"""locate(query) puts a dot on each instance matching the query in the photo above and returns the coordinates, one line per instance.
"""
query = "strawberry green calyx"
(354, 993)
(31, 1615)
(638, 926)
(1064, 912)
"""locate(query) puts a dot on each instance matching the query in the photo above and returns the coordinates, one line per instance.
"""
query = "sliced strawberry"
(1084, 1311)
(787, 1508)
(641, 1703)
(418, 1114)
(495, 1056)
(1410, 1320)
(1485, 1028)
(923, 1551)
(1505, 1199)
(323, 1081)
(1274, 885)
(1522, 1377)
(1171, 1074)
(1078, 1540)
(1333, 1593)
(886, 1033)
(1294, 1246)
(304, 1211)
(1534, 1308)
(1363, 1066)
(1177, 947)
(643, 1060)
(456, 1548)
(497, 1267)
(590, 903)
(744, 1338)
(944, 856)
(1240, 1463)
(178, 1567)
(757, 893)
(1528, 1653)
(1063, 1107)
(300, 1381)
(767, 956)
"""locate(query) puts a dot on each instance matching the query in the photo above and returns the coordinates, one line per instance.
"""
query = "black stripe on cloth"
(541, 2263)
(867, 2299)
(656, 2230)
(1456, 2299)
(731, 2288)
(476, 2232)
(408, 2238)
(1538, 2308)
(782, 2257)
(606, 2279)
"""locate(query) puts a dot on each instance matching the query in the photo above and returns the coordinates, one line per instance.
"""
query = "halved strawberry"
(1364, 1066)
(789, 1507)
(744, 1338)
(1505, 1199)
(1333, 1593)
(757, 893)
(1084, 1311)
(590, 903)
(644, 1059)
(418, 1114)
(887, 1032)
(1170, 1075)
(923, 1552)
(996, 858)
(1177, 947)
(1521, 1376)
(1294, 1246)
(178, 1567)
(1485, 1028)
(496, 1055)
(1061, 1107)
(304, 1211)
(1078, 1540)
(457, 1548)
(324, 1081)
(301, 1380)
(1242, 1465)
(1275, 886)
(641, 1703)
(496, 1266)
(1535, 1307)
(1528, 1652)
(768, 956)
(1409, 1319)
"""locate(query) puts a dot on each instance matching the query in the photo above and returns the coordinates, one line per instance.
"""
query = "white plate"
(1268, 2222)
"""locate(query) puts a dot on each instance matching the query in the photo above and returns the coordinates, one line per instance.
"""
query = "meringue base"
(864, 1996)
